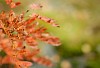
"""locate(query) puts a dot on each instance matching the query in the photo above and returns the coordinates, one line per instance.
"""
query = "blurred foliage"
(79, 31)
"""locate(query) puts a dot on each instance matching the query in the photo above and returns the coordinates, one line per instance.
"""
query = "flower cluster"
(19, 38)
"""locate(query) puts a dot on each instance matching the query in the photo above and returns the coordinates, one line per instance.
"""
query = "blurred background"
(79, 31)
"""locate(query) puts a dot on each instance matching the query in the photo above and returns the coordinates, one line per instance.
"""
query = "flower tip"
(57, 44)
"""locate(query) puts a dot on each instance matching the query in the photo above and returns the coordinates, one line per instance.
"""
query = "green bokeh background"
(79, 30)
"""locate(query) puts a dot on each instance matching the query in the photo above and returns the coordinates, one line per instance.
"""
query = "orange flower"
(12, 4)
(18, 38)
